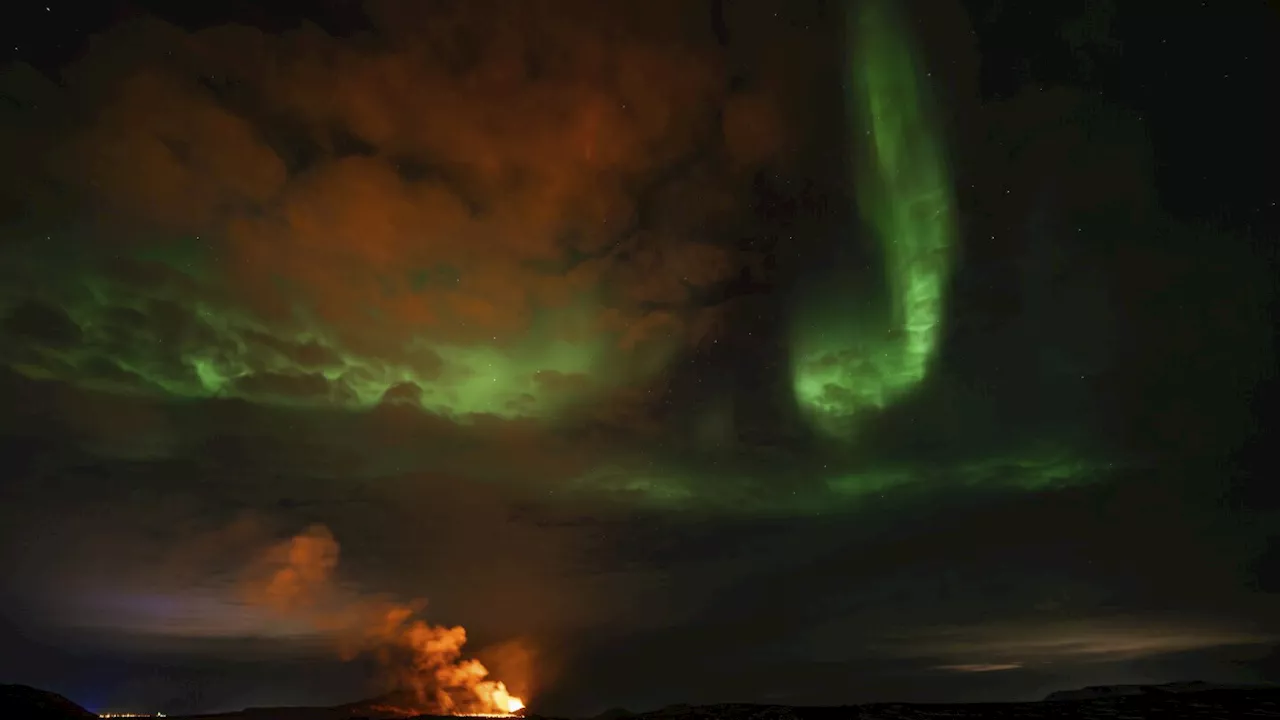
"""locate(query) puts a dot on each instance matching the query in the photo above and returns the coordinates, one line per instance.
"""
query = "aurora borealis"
(668, 352)
(848, 363)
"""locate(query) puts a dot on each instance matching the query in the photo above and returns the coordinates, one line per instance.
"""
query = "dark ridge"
(28, 703)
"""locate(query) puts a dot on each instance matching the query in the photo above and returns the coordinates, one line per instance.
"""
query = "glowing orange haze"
(295, 579)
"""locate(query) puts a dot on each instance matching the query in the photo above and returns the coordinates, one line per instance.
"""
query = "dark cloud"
(35, 322)
(309, 387)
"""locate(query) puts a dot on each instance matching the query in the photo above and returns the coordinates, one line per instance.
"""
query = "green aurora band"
(845, 364)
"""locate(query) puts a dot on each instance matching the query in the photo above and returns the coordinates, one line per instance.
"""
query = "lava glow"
(494, 696)
(424, 662)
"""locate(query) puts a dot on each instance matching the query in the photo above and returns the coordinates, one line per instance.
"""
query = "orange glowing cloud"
(557, 189)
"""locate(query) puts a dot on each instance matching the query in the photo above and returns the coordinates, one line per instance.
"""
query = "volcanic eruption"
(295, 580)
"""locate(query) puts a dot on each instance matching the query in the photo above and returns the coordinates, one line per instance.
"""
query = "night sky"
(682, 351)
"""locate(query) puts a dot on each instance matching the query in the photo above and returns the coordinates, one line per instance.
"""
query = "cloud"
(41, 325)
(1008, 645)
(981, 667)
(526, 195)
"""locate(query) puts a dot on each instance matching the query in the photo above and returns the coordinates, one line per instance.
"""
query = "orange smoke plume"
(295, 579)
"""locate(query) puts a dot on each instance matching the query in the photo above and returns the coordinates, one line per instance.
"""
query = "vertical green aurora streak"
(845, 364)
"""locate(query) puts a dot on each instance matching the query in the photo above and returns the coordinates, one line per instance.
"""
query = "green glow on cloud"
(725, 490)
(156, 341)
(1043, 469)
(845, 362)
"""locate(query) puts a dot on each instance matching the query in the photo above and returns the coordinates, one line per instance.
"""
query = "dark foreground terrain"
(1125, 702)
(1208, 703)
(28, 703)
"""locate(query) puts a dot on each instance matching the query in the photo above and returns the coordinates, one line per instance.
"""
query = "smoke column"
(846, 363)
(295, 580)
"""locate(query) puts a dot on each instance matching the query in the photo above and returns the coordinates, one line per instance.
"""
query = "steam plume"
(296, 580)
